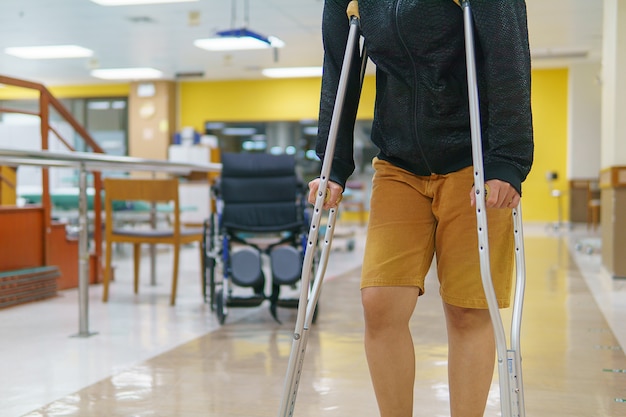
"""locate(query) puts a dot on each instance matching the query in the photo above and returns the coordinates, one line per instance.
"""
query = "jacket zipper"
(416, 101)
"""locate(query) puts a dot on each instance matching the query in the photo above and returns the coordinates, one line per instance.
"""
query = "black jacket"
(421, 115)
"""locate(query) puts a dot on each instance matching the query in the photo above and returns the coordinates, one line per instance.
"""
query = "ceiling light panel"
(238, 40)
(49, 52)
(292, 72)
(127, 74)
(137, 2)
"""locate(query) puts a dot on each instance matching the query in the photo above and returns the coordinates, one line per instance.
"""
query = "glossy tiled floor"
(151, 360)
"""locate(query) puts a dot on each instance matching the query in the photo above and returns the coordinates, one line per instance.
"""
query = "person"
(422, 195)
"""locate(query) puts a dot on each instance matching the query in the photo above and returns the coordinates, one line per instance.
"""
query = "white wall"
(585, 121)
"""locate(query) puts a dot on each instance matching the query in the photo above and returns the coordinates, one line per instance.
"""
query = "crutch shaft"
(308, 300)
(509, 362)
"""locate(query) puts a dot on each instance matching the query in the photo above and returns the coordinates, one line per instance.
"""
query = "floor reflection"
(572, 362)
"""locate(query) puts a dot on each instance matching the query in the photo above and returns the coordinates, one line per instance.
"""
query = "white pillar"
(613, 143)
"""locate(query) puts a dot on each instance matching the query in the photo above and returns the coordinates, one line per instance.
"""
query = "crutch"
(308, 299)
(509, 359)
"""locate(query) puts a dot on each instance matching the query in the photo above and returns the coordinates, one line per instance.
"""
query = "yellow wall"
(297, 99)
(61, 92)
(549, 102)
(257, 100)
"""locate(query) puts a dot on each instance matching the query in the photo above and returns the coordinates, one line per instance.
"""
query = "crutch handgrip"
(353, 9)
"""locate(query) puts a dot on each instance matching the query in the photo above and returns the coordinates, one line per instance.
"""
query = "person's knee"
(466, 319)
(388, 308)
(374, 311)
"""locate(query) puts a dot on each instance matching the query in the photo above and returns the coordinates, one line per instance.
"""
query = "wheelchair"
(259, 227)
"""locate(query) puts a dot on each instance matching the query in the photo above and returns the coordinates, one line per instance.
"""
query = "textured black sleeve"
(502, 33)
(335, 28)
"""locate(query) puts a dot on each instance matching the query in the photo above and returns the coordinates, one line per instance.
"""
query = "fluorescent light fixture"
(136, 2)
(237, 40)
(292, 72)
(49, 52)
(127, 73)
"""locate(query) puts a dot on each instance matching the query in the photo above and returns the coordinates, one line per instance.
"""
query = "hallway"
(152, 360)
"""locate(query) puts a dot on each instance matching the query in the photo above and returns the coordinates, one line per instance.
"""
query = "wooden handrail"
(8, 110)
(46, 99)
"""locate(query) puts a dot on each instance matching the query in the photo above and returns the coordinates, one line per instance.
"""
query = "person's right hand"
(498, 194)
(334, 192)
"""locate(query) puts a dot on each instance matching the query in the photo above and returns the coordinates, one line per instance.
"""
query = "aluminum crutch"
(308, 298)
(509, 359)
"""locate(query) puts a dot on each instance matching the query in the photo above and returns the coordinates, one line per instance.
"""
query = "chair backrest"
(148, 190)
(593, 190)
(260, 192)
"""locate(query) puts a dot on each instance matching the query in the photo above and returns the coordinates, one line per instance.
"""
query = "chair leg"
(107, 272)
(175, 274)
(136, 262)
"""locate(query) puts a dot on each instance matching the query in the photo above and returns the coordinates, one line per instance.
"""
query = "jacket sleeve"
(335, 28)
(502, 38)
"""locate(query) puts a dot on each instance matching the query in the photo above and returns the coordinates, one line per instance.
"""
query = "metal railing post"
(83, 256)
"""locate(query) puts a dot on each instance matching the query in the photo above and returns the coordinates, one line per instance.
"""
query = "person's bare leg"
(389, 347)
(471, 359)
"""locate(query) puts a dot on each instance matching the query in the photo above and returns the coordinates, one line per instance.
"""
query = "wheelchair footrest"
(251, 301)
(288, 303)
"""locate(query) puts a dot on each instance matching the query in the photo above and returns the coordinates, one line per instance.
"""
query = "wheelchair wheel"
(213, 265)
(220, 306)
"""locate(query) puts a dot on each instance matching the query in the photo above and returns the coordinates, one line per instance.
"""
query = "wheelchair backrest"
(260, 192)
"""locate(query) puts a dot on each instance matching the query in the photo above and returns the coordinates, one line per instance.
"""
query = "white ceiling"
(161, 36)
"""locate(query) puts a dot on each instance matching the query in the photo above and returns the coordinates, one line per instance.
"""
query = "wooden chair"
(153, 191)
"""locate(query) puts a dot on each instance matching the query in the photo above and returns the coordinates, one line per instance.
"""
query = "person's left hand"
(498, 194)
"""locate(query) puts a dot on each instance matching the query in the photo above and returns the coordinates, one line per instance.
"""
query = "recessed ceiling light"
(292, 72)
(127, 73)
(49, 52)
(237, 40)
(135, 2)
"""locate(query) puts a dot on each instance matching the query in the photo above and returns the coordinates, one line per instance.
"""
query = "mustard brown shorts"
(412, 218)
